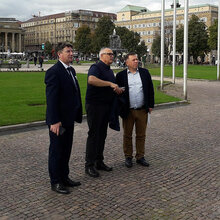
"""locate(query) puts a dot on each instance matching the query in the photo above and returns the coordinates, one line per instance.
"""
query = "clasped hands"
(117, 89)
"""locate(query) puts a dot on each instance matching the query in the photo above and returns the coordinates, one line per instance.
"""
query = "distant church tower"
(177, 4)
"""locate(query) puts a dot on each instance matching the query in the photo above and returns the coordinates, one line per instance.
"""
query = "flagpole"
(174, 39)
(162, 45)
(218, 51)
(185, 52)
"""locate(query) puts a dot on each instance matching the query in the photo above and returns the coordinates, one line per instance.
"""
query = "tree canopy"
(197, 38)
(104, 28)
(48, 48)
(83, 40)
(156, 46)
(91, 42)
(213, 34)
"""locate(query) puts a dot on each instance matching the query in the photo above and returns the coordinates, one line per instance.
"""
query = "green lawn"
(22, 96)
(194, 71)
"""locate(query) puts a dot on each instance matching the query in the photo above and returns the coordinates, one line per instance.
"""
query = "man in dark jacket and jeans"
(139, 101)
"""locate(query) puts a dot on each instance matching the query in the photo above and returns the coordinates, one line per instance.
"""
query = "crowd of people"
(129, 95)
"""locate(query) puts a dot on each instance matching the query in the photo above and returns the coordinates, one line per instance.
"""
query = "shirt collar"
(128, 71)
(104, 65)
(65, 66)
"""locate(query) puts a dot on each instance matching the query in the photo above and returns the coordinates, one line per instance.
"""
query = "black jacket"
(63, 98)
(122, 81)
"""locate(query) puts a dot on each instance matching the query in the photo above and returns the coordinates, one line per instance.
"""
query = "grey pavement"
(82, 68)
(182, 182)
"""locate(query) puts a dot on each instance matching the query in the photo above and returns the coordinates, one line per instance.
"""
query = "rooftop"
(133, 8)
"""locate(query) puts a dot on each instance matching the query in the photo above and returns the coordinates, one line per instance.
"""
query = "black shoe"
(91, 171)
(70, 183)
(102, 166)
(128, 162)
(143, 162)
(60, 188)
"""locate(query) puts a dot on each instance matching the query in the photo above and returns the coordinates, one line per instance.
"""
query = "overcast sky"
(24, 9)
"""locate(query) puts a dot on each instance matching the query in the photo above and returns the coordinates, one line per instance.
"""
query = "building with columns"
(57, 28)
(148, 23)
(11, 35)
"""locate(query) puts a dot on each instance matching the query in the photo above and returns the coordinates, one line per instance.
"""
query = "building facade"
(11, 35)
(58, 27)
(148, 23)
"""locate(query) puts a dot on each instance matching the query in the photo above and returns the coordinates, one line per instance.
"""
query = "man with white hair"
(99, 96)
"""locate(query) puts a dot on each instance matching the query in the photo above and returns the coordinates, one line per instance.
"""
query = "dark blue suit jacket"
(122, 81)
(63, 98)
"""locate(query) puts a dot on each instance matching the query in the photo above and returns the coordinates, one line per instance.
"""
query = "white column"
(13, 42)
(6, 42)
(19, 45)
(185, 52)
(162, 45)
(218, 52)
(174, 39)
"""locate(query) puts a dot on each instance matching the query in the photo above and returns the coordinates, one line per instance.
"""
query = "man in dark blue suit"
(64, 107)
(138, 102)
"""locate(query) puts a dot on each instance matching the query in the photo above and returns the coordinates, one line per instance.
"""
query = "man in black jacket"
(64, 107)
(138, 102)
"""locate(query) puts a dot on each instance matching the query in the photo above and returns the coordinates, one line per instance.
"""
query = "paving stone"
(182, 182)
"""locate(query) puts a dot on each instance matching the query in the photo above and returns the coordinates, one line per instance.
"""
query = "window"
(204, 19)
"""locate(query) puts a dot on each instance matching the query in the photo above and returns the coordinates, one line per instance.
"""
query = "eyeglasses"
(110, 54)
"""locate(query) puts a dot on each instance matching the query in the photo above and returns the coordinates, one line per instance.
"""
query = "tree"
(197, 38)
(105, 27)
(213, 33)
(48, 48)
(179, 39)
(141, 49)
(83, 40)
(156, 46)
(131, 41)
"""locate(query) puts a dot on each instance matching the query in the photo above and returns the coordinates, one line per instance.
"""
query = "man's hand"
(55, 128)
(116, 88)
(150, 110)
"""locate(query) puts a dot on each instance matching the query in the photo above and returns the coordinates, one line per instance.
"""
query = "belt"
(142, 107)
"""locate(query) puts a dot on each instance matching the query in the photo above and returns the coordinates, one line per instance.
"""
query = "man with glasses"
(99, 96)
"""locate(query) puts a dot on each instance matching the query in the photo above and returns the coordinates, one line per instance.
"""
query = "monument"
(115, 45)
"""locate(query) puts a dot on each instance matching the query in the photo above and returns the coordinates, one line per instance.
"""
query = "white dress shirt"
(136, 94)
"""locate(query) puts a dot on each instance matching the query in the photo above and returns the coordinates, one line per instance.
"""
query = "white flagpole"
(174, 39)
(185, 52)
(162, 45)
(218, 51)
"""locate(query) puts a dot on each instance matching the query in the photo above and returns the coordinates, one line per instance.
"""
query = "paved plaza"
(182, 182)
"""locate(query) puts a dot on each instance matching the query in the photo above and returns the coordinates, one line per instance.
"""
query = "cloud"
(24, 9)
